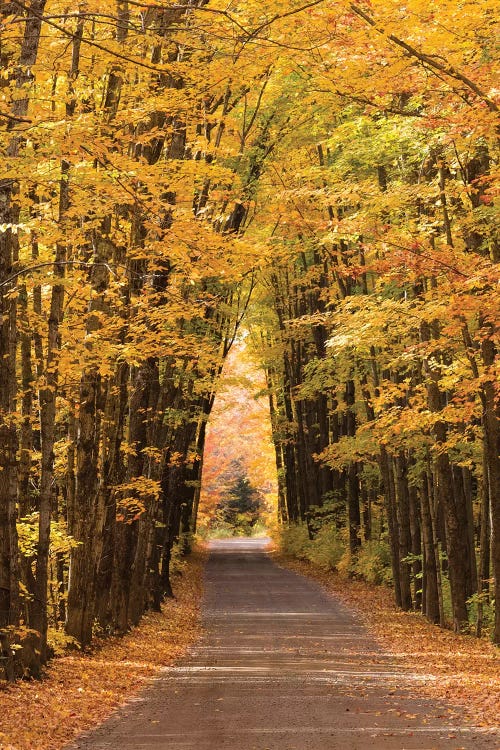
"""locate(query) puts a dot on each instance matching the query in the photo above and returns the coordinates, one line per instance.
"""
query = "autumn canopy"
(317, 179)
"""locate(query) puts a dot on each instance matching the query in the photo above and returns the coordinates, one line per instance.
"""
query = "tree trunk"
(113, 472)
(403, 516)
(88, 514)
(353, 509)
(47, 399)
(431, 599)
(484, 549)
(491, 426)
(416, 547)
(392, 522)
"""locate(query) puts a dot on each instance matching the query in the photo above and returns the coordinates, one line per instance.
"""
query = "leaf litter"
(80, 690)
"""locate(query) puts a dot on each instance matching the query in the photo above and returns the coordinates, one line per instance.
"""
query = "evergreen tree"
(241, 506)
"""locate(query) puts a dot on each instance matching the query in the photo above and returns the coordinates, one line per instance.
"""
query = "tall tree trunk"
(131, 532)
(113, 473)
(456, 534)
(403, 516)
(431, 599)
(353, 509)
(491, 427)
(484, 549)
(416, 546)
(88, 514)
(47, 399)
(392, 521)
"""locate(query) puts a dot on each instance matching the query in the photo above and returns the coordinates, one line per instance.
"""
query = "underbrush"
(373, 562)
(328, 550)
(228, 531)
(325, 550)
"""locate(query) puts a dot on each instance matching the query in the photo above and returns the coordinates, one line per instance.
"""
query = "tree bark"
(491, 427)
(431, 598)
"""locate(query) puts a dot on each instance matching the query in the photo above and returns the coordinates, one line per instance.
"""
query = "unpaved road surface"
(282, 666)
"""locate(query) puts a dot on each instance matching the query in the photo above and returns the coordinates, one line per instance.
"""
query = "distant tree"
(241, 506)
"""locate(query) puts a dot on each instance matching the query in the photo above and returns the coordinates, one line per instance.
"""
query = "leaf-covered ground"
(80, 690)
(463, 670)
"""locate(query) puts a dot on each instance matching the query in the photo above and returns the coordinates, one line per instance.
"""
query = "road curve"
(281, 666)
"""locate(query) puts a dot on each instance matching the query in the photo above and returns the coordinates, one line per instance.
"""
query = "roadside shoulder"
(465, 671)
(79, 691)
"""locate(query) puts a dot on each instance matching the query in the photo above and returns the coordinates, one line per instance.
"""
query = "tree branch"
(430, 60)
(89, 42)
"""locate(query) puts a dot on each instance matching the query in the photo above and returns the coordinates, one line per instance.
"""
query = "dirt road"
(281, 667)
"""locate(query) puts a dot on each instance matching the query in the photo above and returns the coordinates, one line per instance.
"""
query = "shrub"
(329, 550)
(294, 540)
(325, 550)
(373, 562)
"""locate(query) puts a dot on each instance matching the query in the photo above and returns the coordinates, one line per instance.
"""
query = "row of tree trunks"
(430, 519)
(9, 218)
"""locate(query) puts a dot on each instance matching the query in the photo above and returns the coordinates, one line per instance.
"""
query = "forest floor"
(461, 669)
(79, 690)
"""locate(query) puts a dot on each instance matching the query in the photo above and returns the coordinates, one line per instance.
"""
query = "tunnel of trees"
(323, 174)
